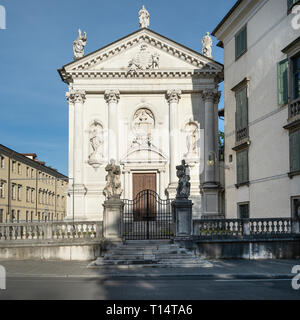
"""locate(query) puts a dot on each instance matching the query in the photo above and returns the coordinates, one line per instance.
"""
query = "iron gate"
(147, 217)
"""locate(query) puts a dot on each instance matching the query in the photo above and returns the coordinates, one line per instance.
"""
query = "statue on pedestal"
(113, 181)
(78, 45)
(184, 185)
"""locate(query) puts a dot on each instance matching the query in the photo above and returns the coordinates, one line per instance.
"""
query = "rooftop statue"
(78, 45)
(144, 18)
(207, 44)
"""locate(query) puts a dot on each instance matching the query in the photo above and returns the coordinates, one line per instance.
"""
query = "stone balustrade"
(51, 231)
(238, 228)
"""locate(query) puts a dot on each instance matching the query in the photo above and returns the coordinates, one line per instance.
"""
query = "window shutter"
(283, 81)
(244, 106)
(295, 151)
(243, 40)
(246, 168)
(239, 168)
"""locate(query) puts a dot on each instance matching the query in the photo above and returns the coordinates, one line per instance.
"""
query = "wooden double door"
(144, 207)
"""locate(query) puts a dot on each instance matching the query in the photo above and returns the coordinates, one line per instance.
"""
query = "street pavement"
(218, 280)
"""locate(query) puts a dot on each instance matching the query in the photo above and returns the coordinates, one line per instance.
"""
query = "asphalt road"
(42, 288)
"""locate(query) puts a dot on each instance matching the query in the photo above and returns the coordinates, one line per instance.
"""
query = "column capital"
(212, 95)
(173, 95)
(112, 96)
(74, 96)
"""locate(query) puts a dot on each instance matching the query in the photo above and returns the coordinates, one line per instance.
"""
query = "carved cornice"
(112, 74)
(75, 96)
(173, 95)
(211, 95)
(112, 96)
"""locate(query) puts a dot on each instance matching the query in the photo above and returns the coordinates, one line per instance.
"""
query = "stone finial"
(206, 45)
(78, 45)
(184, 185)
(113, 181)
(144, 18)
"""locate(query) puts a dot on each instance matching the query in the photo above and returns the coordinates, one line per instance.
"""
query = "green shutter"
(241, 42)
(242, 166)
(295, 151)
(241, 109)
(282, 72)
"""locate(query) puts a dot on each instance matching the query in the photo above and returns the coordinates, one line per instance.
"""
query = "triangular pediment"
(142, 51)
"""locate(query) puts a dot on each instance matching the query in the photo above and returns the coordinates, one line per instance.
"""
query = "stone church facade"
(147, 102)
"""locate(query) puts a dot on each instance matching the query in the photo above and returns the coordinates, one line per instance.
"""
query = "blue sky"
(38, 40)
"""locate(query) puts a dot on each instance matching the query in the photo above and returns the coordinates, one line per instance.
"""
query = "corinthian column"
(112, 97)
(210, 185)
(76, 100)
(173, 97)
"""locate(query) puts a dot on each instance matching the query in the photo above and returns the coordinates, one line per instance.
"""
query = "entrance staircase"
(149, 253)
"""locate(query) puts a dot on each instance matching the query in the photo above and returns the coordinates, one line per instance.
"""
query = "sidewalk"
(212, 269)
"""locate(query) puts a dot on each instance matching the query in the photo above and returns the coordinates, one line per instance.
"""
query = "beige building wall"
(29, 190)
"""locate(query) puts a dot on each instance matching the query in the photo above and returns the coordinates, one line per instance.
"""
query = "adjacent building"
(262, 108)
(29, 190)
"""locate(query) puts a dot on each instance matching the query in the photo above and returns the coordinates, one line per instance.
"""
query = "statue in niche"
(184, 185)
(79, 44)
(96, 145)
(113, 181)
(144, 18)
(191, 140)
(143, 123)
(207, 44)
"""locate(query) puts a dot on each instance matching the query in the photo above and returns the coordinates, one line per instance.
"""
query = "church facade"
(146, 102)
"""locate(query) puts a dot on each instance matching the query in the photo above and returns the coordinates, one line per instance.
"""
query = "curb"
(202, 276)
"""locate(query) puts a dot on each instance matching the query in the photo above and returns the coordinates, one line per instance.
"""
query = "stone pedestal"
(183, 217)
(112, 216)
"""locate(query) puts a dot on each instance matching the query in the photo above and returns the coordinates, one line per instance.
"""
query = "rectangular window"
(1, 215)
(282, 82)
(241, 116)
(13, 167)
(19, 168)
(295, 151)
(32, 173)
(27, 194)
(19, 192)
(242, 166)
(2, 190)
(32, 195)
(241, 42)
(14, 191)
(27, 172)
(243, 210)
(296, 77)
(2, 162)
